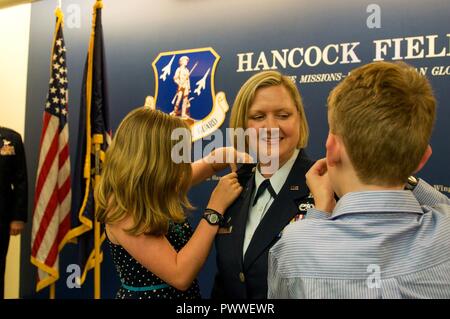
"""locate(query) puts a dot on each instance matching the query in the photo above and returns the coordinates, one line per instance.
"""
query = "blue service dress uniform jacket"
(240, 277)
(13, 190)
(13, 178)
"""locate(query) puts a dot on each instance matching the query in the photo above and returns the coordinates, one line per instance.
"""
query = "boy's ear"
(333, 146)
(426, 156)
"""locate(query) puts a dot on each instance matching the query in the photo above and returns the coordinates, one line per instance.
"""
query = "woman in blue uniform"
(275, 191)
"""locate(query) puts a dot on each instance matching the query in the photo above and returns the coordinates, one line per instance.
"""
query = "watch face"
(213, 218)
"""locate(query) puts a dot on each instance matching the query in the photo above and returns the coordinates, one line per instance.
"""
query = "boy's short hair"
(385, 113)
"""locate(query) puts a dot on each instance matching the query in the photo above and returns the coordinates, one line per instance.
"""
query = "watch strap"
(210, 211)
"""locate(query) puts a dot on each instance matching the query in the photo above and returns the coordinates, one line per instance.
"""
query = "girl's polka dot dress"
(140, 283)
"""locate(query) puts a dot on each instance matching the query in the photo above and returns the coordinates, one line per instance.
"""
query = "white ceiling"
(9, 3)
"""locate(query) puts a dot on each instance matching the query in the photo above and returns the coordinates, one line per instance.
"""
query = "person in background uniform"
(379, 240)
(274, 195)
(13, 193)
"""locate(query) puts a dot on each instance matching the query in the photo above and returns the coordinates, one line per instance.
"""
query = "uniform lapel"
(241, 217)
(282, 210)
(230, 242)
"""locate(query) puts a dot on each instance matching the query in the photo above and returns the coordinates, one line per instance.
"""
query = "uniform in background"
(13, 190)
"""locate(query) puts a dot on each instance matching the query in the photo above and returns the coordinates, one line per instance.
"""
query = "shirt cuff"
(313, 213)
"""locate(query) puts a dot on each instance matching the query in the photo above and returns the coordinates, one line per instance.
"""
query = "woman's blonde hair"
(140, 179)
(246, 96)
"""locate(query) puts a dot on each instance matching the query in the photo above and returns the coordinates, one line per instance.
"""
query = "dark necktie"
(264, 185)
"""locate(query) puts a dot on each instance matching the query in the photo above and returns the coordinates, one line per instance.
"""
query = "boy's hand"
(320, 186)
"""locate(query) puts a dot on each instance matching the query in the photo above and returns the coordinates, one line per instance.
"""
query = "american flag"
(53, 192)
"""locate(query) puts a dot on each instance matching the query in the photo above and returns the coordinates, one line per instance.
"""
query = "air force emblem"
(185, 88)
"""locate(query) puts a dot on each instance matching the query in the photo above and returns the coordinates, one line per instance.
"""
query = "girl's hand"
(225, 193)
(221, 157)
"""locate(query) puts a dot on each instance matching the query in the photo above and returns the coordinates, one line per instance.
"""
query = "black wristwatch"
(213, 217)
(412, 183)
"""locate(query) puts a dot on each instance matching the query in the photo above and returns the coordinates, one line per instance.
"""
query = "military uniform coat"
(13, 190)
(246, 278)
(13, 178)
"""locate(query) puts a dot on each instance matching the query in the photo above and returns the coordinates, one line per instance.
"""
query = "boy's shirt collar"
(400, 201)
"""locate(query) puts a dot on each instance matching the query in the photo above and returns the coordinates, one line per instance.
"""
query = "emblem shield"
(185, 88)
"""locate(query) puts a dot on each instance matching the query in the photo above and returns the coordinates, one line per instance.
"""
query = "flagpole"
(59, 15)
(98, 141)
(52, 291)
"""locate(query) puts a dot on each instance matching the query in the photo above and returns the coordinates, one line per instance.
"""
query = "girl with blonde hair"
(142, 198)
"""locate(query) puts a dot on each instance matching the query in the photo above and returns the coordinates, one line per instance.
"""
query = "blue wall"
(136, 31)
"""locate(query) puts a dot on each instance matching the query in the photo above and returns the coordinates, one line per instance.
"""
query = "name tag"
(225, 230)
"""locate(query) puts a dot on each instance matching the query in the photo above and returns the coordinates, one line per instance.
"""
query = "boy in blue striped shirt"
(379, 240)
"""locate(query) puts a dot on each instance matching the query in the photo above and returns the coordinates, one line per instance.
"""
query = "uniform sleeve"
(20, 183)
(218, 291)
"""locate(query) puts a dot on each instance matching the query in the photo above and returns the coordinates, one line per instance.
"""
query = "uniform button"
(241, 277)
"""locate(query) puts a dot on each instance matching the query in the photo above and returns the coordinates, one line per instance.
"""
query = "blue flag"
(94, 130)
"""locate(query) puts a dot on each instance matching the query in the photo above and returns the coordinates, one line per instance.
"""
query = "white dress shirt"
(256, 213)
